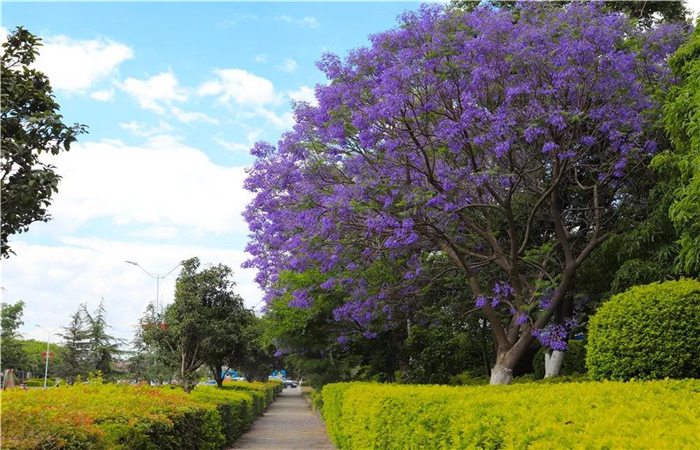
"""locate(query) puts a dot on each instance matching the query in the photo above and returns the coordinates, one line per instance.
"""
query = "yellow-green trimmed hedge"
(108, 416)
(655, 414)
(262, 393)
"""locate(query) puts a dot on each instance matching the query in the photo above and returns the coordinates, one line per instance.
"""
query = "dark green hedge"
(648, 332)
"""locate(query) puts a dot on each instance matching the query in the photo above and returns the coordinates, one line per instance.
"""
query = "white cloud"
(74, 66)
(139, 129)
(156, 233)
(161, 183)
(156, 91)
(186, 117)
(303, 94)
(251, 136)
(310, 22)
(233, 146)
(262, 58)
(289, 65)
(284, 121)
(54, 280)
(104, 95)
(239, 87)
(307, 21)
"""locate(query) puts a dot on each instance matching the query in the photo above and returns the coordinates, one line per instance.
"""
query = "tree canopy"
(682, 120)
(203, 326)
(514, 142)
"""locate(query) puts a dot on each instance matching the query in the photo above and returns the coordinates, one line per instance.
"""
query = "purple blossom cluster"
(502, 292)
(554, 336)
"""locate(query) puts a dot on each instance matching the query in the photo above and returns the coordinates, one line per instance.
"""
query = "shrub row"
(263, 393)
(654, 414)
(39, 382)
(110, 416)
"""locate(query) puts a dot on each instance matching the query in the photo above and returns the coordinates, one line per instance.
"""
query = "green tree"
(150, 360)
(257, 360)
(682, 120)
(12, 355)
(75, 356)
(203, 326)
(34, 362)
(226, 340)
(31, 125)
(102, 347)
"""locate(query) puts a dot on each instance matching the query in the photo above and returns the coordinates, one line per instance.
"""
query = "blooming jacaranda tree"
(507, 141)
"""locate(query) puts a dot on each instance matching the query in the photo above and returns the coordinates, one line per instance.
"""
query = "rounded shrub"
(648, 332)
(574, 360)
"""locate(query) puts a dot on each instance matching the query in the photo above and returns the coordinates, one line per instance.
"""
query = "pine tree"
(76, 350)
(103, 347)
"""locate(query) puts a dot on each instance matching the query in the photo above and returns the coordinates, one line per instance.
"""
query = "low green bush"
(614, 415)
(469, 378)
(574, 360)
(39, 382)
(647, 332)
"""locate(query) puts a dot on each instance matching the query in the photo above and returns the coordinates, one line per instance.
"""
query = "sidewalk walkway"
(287, 424)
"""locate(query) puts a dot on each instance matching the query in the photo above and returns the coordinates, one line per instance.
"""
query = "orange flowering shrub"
(110, 416)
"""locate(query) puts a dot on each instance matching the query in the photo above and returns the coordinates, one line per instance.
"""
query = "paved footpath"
(287, 424)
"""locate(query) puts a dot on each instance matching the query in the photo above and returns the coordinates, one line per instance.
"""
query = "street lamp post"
(158, 277)
(48, 353)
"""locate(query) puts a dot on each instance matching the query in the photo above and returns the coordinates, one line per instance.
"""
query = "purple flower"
(503, 290)
(480, 301)
(549, 147)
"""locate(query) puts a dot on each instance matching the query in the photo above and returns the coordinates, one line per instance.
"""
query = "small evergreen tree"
(103, 348)
(75, 357)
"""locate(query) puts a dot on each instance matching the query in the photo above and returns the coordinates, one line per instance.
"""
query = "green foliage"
(235, 409)
(469, 378)
(257, 359)
(205, 325)
(574, 360)
(31, 125)
(648, 332)
(33, 362)
(87, 345)
(102, 347)
(440, 351)
(12, 354)
(39, 382)
(682, 121)
(658, 414)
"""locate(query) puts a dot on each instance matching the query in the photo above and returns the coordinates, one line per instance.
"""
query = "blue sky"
(174, 95)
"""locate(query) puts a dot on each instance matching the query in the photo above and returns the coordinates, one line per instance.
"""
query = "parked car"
(208, 383)
(290, 383)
